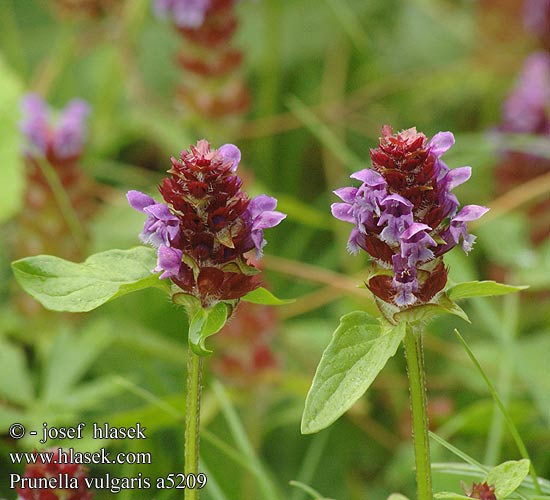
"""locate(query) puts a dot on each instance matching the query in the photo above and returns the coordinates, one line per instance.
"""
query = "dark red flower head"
(482, 491)
(406, 216)
(59, 474)
(207, 224)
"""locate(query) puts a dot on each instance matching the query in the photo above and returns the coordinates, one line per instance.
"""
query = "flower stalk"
(406, 217)
(414, 352)
(192, 420)
(205, 232)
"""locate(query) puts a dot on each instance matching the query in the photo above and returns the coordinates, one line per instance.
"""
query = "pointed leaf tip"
(265, 297)
(359, 349)
(206, 322)
(508, 476)
(481, 289)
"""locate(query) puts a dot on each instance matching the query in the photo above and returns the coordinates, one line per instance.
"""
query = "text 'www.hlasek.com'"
(63, 468)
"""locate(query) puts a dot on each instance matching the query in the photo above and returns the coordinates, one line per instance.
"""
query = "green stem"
(192, 420)
(414, 352)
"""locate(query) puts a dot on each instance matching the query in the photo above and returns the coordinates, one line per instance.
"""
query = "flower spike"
(405, 215)
(207, 225)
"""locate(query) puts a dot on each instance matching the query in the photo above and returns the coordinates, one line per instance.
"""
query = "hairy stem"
(192, 420)
(414, 352)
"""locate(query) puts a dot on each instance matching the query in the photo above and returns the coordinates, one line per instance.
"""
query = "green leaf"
(424, 312)
(359, 349)
(481, 289)
(265, 297)
(206, 322)
(450, 494)
(61, 285)
(397, 496)
(428, 311)
(11, 159)
(508, 476)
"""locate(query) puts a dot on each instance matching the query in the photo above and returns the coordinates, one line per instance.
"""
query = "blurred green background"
(324, 76)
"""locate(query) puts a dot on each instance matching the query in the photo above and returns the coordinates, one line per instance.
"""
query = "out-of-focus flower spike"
(482, 491)
(70, 479)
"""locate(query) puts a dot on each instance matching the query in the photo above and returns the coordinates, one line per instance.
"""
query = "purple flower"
(360, 202)
(161, 226)
(354, 240)
(34, 125)
(63, 140)
(169, 260)
(458, 229)
(526, 110)
(397, 216)
(184, 13)
(368, 198)
(344, 211)
(448, 202)
(70, 135)
(405, 215)
(261, 215)
(439, 145)
(230, 153)
(415, 241)
(404, 281)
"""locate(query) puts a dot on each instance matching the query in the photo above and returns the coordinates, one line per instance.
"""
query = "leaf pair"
(360, 348)
(61, 285)
(362, 345)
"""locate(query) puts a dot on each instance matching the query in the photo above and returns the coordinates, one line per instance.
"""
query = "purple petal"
(70, 133)
(346, 194)
(404, 281)
(34, 124)
(441, 143)
(138, 200)
(343, 211)
(184, 13)
(457, 176)
(169, 261)
(526, 109)
(353, 244)
(470, 213)
(415, 242)
(259, 242)
(160, 211)
(76, 110)
(268, 219)
(396, 200)
(413, 229)
(261, 203)
(369, 177)
(230, 153)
